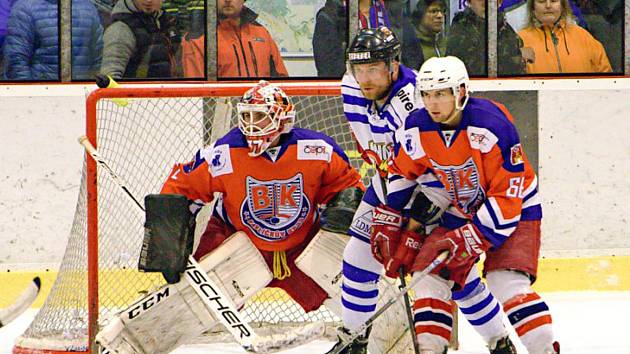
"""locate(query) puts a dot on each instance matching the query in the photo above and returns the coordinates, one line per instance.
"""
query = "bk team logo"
(462, 184)
(274, 209)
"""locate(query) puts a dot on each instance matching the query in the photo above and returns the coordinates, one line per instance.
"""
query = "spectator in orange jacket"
(245, 48)
(560, 45)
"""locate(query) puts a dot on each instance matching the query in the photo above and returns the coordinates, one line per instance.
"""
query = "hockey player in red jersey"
(473, 147)
(272, 178)
(378, 97)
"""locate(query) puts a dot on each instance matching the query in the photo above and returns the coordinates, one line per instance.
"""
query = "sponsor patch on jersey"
(275, 209)
(481, 139)
(410, 141)
(314, 149)
(362, 224)
(404, 99)
(462, 184)
(219, 161)
(516, 154)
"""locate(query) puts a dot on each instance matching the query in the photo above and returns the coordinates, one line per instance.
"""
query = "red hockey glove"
(385, 234)
(406, 252)
(465, 245)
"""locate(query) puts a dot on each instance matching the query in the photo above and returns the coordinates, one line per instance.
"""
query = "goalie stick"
(214, 299)
(400, 294)
(23, 302)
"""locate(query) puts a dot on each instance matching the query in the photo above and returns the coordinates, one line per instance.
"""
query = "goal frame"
(93, 303)
(207, 90)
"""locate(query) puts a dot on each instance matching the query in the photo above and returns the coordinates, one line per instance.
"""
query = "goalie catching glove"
(340, 210)
(465, 244)
(168, 235)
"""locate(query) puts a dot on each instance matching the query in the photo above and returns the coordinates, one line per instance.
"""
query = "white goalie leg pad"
(322, 261)
(175, 314)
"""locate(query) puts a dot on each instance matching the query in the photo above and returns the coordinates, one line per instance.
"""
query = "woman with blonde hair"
(560, 45)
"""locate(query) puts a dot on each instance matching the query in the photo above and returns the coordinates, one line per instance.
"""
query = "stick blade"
(294, 338)
(23, 302)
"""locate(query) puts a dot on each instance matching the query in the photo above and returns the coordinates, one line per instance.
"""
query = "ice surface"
(584, 322)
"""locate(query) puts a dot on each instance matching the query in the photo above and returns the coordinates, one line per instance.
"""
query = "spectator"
(193, 41)
(141, 41)
(180, 11)
(31, 48)
(467, 40)
(376, 13)
(516, 13)
(245, 48)
(428, 20)
(330, 39)
(604, 20)
(560, 45)
(5, 10)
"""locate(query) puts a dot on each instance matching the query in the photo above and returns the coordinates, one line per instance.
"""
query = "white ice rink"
(585, 323)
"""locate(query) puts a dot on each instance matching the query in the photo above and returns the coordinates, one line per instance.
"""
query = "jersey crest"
(273, 209)
(462, 184)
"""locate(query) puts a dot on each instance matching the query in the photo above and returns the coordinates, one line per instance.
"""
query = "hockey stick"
(212, 296)
(23, 302)
(403, 284)
(418, 276)
(412, 325)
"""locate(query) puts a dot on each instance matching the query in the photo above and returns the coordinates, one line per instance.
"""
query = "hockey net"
(142, 132)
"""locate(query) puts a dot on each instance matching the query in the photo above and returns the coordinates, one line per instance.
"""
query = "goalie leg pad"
(322, 261)
(175, 314)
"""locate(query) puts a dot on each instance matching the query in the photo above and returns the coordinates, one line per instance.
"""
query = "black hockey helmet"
(372, 45)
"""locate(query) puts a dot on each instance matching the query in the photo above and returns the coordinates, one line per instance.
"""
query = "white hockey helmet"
(264, 113)
(439, 73)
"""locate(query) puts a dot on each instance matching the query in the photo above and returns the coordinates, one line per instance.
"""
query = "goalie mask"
(264, 113)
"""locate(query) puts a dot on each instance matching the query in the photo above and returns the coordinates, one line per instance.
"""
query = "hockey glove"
(405, 254)
(168, 235)
(465, 245)
(385, 234)
(340, 210)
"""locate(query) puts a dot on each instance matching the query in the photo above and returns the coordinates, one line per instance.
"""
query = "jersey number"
(516, 187)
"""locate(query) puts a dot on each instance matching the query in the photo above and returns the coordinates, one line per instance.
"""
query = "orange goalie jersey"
(481, 165)
(274, 197)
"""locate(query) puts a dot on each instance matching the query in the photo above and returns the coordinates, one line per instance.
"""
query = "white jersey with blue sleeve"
(374, 127)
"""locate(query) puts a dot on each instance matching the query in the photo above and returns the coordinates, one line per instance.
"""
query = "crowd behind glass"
(160, 39)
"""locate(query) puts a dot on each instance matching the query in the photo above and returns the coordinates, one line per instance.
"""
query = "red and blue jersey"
(481, 165)
(273, 197)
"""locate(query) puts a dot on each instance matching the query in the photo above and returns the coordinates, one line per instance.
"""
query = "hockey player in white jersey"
(378, 96)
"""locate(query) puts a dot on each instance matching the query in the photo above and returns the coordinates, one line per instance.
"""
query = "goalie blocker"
(168, 235)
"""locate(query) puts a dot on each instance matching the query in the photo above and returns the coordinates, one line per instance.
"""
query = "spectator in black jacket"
(141, 42)
(330, 39)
